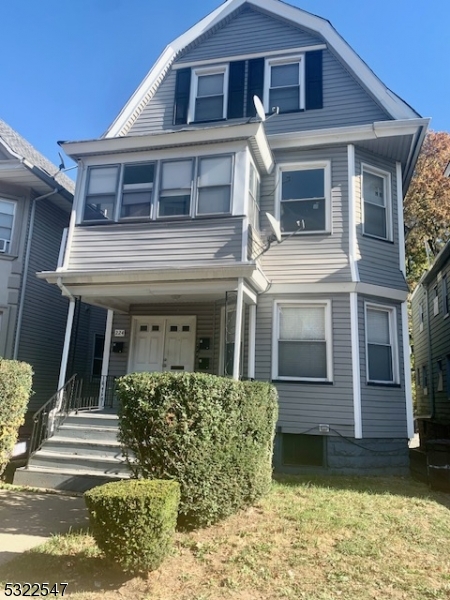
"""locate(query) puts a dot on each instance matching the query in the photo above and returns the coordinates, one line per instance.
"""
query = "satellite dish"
(275, 226)
(259, 108)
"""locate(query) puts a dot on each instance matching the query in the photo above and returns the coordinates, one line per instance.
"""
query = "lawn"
(317, 539)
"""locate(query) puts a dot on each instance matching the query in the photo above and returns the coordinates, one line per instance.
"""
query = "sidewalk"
(28, 519)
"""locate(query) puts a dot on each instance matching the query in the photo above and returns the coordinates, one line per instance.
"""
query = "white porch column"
(66, 347)
(238, 329)
(106, 353)
(251, 341)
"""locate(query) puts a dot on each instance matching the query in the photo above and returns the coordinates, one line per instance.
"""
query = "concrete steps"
(84, 453)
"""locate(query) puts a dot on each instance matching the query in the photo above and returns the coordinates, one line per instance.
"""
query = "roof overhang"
(394, 105)
(398, 140)
(252, 133)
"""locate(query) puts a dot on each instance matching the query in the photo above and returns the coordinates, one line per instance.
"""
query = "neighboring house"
(431, 338)
(169, 231)
(35, 204)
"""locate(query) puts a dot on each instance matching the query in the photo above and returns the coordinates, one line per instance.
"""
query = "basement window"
(300, 450)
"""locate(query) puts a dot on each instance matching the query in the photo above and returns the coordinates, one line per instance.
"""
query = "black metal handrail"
(49, 418)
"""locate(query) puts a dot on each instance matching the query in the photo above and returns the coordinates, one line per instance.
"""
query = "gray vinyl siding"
(45, 310)
(346, 102)
(379, 261)
(208, 325)
(313, 257)
(303, 406)
(383, 407)
(152, 245)
(421, 358)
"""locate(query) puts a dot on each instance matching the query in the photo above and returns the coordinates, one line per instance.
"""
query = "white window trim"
(393, 340)
(157, 198)
(116, 193)
(10, 241)
(328, 338)
(435, 300)
(138, 187)
(212, 70)
(306, 166)
(278, 61)
(388, 196)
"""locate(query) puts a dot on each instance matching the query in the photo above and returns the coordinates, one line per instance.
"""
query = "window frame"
(421, 316)
(393, 342)
(328, 326)
(306, 166)
(387, 179)
(435, 300)
(152, 189)
(197, 186)
(445, 295)
(9, 242)
(190, 213)
(277, 61)
(198, 72)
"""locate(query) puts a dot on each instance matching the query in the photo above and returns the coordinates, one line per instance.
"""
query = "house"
(35, 205)
(175, 211)
(430, 306)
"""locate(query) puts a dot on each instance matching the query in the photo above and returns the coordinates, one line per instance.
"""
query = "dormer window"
(209, 94)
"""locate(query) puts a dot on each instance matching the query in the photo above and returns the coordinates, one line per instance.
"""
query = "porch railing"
(49, 418)
(96, 392)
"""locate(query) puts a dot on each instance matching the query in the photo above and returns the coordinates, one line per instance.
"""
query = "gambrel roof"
(394, 105)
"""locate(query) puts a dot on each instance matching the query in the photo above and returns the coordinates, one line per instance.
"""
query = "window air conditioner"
(3, 245)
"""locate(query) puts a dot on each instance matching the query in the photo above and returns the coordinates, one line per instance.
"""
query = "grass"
(317, 539)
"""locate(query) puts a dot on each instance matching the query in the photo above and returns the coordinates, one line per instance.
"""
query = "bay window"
(176, 188)
(376, 198)
(137, 188)
(101, 193)
(214, 185)
(302, 341)
(381, 344)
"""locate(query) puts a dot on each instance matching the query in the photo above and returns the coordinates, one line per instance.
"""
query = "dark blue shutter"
(236, 84)
(313, 80)
(182, 93)
(255, 83)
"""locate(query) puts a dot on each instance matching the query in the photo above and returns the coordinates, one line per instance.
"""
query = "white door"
(163, 344)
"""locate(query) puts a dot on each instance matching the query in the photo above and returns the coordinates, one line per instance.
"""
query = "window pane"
(209, 109)
(102, 181)
(284, 75)
(99, 208)
(139, 174)
(136, 204)
(285, 98)
(210, 85)
(302, 323)
(375, 220)
(303, 184)
(378, 327)
(170, 206)
(373, 189)
(312, 212)
(302, 359)
(5, 233)
(177, 175)
(380, 363)
(215, 171)
(6, 208)
(6, 221)
(214, 200)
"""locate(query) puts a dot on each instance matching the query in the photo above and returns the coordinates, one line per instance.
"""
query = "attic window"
(285, 88)
(209, 94)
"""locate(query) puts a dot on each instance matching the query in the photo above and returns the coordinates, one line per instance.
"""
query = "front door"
(163, 344)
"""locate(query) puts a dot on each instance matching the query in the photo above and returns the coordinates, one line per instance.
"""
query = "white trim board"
(394, 105)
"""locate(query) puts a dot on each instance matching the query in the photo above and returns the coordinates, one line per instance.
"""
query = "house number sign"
(119, 332)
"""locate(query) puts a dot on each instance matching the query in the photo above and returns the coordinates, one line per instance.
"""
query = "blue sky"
(68, 66)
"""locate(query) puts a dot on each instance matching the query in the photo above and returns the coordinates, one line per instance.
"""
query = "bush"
(133, 521)
(15, 389)
(211, 434)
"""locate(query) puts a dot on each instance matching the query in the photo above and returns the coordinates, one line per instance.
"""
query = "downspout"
(25, 270)
(430, 360)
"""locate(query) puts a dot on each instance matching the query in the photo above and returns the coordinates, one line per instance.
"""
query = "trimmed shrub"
(15, 390)
(133, 521)
(211, 434)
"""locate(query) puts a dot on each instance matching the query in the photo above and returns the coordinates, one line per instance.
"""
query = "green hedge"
(133, 521)
(211, 434)
(15, 390)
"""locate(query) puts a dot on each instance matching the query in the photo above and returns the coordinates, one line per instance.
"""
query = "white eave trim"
(252, 132)
(394, 105)
(348, 135)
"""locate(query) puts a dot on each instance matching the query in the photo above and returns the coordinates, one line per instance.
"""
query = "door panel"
(148, 346)
(179, 351)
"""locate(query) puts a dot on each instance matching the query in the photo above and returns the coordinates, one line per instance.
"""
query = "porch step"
(106, 434)
(93, 419)
(62, 479)
(104, 465)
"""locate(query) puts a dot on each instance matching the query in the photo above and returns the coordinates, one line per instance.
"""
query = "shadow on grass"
(394, 486)
(85, 570)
